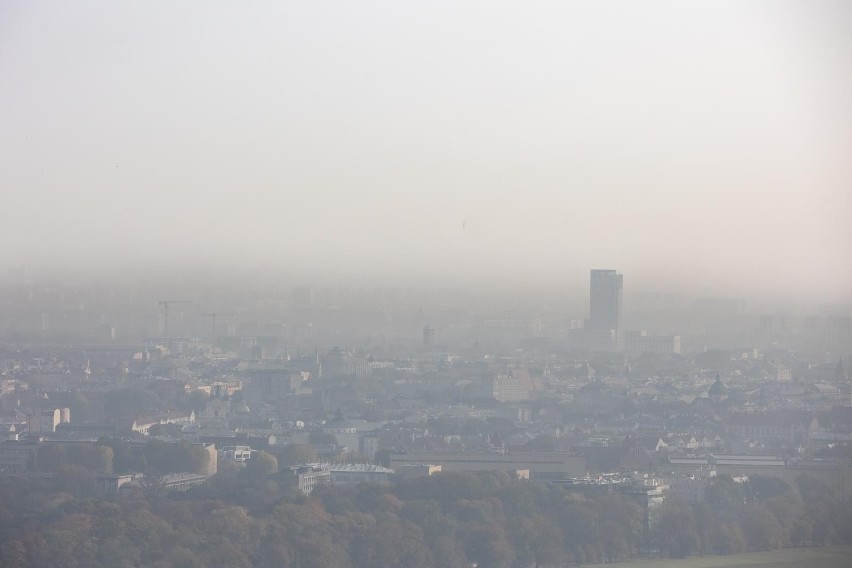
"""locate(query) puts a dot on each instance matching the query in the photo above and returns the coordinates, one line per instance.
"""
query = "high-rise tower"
(605, 299)
(428, 335)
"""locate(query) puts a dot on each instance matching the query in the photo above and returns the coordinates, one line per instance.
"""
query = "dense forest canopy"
(249, 518)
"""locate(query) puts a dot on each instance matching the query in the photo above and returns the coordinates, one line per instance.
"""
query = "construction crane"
(213, 315)
(166, 304)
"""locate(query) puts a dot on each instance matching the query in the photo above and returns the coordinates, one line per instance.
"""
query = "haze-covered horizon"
(699, 148)
(566, 297)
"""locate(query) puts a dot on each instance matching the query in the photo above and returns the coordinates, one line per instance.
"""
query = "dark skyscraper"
(428, 335)
(605, 311)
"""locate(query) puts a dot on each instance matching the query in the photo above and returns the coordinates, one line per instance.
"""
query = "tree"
(318, 549)
(13, 554)
(165, 430)
(822, 507)
(724, 495)
(675, 531)
(487, 545)
(762, 488)
(390, 542)
(165, 457)
(182, 557)
(580, 520)
(261, 465)
(50, 457)
(761, 528)
(429, 516)
(447, 552)
(536, 539)
(223, 554)
(94, 459)
(124, 460)
(297, 454)
(275, 550)
(624, 520)
(128, 402)
(194, 401)
(801, 532)
(79, 405)
(101, 459)
(727, 538)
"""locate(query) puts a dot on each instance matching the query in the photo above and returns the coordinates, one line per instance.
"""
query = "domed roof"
(339, 421)
(718, 388)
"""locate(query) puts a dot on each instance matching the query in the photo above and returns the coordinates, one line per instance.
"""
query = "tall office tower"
(605, 311)
(428, 335)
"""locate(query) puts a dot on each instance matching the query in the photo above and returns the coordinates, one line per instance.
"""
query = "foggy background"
(692, 146)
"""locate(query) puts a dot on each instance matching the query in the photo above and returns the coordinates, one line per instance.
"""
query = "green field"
(822, 557)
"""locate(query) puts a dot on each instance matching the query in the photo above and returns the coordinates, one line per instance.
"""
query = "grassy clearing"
(822, 557)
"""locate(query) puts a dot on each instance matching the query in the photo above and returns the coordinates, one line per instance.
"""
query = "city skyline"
(435, 284)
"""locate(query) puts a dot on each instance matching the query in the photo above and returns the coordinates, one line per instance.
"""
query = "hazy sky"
(704, 145)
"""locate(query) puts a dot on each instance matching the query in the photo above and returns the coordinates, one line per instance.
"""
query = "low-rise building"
(418, 470)
(181, 481)
(110, 484)
(343, 475)
(142, 425)
(18, 457)
(638, 342)
(542, 466)
(306, 477)
(240, 454)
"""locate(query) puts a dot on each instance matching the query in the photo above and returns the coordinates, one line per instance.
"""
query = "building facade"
(606, 288)
(542, 466)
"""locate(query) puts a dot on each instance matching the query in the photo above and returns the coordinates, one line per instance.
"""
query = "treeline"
(109, 455)
(244, 519)
(761, 513)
